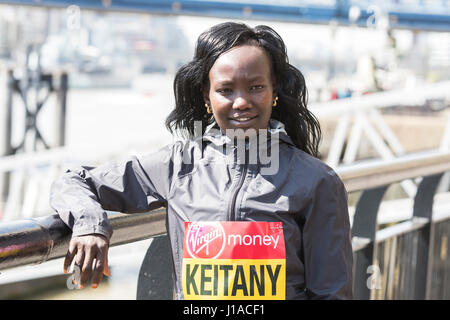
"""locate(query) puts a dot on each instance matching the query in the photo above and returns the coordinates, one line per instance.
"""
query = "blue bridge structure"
(432, 15)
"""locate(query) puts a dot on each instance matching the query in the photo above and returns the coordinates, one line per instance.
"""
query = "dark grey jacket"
(206, 179)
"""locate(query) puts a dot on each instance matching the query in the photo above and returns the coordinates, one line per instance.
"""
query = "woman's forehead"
(242, 61)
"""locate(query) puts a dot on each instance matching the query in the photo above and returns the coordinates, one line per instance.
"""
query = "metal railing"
(405, 261)
(399, 262)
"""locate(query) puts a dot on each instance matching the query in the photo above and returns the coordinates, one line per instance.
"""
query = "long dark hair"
(300, 124)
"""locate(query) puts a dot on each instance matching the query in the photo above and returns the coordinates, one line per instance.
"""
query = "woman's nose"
(241, 102)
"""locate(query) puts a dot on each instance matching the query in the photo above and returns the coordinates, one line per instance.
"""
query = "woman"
(242, 224)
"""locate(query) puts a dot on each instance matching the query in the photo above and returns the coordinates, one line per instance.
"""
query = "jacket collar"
(214, 135)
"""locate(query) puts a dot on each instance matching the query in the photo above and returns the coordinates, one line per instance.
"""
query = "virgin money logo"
(205, 240)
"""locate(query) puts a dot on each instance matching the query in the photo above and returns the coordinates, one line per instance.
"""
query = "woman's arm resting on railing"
(82, 195)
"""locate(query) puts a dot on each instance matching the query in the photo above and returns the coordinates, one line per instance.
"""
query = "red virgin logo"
(205, 240)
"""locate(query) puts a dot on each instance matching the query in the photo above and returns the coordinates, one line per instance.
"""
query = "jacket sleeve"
(130, 185)
(327, 244)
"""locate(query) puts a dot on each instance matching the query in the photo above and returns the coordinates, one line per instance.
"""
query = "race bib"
(234, 260)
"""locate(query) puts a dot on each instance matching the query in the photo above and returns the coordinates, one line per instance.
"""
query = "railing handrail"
(64, 155)
(36, 240)
(376, 173)
(40, 239)
(414, 95)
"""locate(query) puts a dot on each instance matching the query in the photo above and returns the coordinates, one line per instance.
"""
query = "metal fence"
(408, 260)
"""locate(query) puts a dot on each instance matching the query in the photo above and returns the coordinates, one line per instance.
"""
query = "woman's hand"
(86, 250)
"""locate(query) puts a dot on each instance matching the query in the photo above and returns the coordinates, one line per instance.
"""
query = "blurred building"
(109, 47)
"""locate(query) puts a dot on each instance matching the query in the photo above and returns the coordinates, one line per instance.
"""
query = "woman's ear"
(205, 93)
(274, 86)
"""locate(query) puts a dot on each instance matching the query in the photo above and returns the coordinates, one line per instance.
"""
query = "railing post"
(365, 226)
(423, 208)
(62, 109)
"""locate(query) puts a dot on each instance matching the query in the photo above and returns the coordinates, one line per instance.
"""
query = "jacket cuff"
(85, 230)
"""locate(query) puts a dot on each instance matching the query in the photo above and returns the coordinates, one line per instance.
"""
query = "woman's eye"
(223, 90)
(256, 87)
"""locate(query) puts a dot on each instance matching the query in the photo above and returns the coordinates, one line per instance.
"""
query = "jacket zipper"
(232, 211)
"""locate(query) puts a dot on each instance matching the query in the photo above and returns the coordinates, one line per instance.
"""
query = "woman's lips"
(242, 121)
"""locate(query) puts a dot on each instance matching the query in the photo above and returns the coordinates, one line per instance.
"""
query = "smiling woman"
(241, 89)
(225, 53)
(236, 230)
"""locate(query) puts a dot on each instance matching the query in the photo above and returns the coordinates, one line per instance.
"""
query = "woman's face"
(241, 89)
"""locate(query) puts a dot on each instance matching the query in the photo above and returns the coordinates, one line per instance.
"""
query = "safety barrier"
(405, 261)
